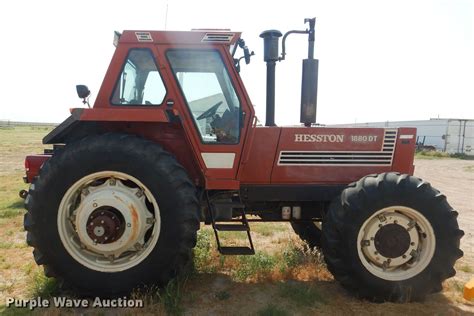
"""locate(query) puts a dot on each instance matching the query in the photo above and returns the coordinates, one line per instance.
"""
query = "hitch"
(23, 194)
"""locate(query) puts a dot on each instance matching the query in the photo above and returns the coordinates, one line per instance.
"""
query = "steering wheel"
(210, 112)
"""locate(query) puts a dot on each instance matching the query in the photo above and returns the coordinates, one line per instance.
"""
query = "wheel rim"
(109, 221)
(396, 243)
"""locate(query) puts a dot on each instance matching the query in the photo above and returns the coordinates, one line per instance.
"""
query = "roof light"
(116, 37)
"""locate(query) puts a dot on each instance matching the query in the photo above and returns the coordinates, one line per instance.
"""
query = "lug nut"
(150, 220)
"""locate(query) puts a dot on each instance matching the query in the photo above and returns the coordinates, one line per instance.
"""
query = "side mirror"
(247, 55)
(82, 91)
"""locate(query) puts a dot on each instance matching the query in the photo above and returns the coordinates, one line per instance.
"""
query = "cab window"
(139, 82)
(210, 96)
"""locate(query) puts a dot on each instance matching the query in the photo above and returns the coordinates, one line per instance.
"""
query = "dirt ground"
(455, 179)
(218, 291)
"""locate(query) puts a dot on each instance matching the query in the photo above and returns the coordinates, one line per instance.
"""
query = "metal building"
(448, 135)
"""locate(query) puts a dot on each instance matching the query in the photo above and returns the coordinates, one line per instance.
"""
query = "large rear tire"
(391, 237)
(110, 213)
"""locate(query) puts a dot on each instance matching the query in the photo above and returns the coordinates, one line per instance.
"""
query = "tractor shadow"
(219, 294)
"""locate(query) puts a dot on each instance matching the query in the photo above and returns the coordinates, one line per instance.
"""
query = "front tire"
(309, 232)
(391, 237)
(110, 213)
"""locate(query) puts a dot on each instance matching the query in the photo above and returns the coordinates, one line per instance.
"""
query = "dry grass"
(282, 279)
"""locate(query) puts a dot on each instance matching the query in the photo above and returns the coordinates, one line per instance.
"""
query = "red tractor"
(172, 140)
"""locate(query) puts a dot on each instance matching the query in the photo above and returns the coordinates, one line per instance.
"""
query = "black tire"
(309, 233)
(365, 197)
(156, 169)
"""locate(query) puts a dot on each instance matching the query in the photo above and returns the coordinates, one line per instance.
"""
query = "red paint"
(125, 114)
(33, 164)
(405, 152)
(256, 154)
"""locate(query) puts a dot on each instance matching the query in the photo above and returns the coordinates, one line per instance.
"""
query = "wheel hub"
(109, 221)
(392, 240)
(396, 243)
(105, 225)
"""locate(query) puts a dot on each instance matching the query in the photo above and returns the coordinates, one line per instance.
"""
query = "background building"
(449, 135)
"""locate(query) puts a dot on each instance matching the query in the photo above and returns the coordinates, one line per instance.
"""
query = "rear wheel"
(391, 237)
(110, 213)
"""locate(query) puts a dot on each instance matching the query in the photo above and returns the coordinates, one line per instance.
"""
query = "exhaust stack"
(309, 81)
(270, 56)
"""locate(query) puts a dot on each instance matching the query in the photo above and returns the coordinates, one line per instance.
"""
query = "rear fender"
(159, 125)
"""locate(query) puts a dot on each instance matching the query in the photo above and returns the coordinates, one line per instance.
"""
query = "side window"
(209, 94)
(139, 82)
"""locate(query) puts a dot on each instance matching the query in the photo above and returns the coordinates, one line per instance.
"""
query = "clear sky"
(379, 60)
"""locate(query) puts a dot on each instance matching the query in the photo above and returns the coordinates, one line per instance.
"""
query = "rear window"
(139, 83)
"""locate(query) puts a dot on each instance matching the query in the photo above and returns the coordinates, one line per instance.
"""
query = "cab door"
(215, 116)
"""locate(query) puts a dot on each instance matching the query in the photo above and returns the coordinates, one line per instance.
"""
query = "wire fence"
(11, 124)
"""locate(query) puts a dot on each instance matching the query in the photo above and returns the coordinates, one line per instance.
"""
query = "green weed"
(166, 300)
(268, 229)
(466, 268)
(172, 295)
(222, 295)
(6, 245)
(469, 168)
(292, 257)
(202, 252)
(456, 286)
(10, 213)
(258, 265)
(301, 293)
(432, 154)
(28, 268)
(42, 286)
(272, 310)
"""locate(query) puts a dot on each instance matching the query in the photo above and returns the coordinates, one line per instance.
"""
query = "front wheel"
(391, 237)
(309, 232)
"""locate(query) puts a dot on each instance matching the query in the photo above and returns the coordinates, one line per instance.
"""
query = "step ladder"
(230, 225)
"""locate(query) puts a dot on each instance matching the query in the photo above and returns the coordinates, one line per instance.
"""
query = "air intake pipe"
(270, 56)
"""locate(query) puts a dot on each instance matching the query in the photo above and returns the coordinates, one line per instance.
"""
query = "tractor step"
(243, 226)
(232, 251)
(231, 227)
(233, 205)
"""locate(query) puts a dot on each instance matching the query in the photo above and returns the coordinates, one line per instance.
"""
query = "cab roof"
(199, 37)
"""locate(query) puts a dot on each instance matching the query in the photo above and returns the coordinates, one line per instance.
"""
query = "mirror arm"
(86, 101)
